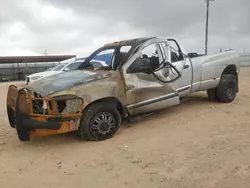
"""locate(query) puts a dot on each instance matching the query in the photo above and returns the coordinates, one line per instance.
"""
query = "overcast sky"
(80, 26)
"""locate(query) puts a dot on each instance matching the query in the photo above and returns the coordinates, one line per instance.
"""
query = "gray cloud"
(80, 26)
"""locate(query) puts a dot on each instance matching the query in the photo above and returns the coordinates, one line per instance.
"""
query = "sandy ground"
(196, 144)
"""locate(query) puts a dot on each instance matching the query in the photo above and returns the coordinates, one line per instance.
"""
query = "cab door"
(184, 66)
(145, 93)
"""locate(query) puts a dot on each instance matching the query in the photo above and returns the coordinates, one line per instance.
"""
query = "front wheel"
(99, 122)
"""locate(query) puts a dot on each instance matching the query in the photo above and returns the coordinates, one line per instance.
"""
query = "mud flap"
(11, 103)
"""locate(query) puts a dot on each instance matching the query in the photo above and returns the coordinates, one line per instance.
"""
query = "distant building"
(18, 67)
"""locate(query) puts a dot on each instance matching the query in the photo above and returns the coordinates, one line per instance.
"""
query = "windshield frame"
(134, 43)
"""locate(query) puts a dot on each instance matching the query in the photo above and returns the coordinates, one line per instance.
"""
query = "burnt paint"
(65, 80)
(111, 87)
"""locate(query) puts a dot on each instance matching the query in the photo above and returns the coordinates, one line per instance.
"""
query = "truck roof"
(129, 42)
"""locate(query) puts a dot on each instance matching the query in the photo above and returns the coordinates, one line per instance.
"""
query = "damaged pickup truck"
(142, 76)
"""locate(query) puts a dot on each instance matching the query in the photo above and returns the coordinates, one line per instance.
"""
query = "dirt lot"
(196, 144)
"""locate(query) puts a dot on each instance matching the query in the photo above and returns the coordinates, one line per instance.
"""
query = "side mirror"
(66, 69)
(140, 65)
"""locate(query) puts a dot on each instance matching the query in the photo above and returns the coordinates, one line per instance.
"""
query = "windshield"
(108, 59)
(58, 67)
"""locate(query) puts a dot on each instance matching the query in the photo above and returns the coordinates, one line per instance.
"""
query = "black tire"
(22, 131)
(10, 111)
(11, 117)
(23, 134)
(227, 88)
(212, 94)
(93, 129)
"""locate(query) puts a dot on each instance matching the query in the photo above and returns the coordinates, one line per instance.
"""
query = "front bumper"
(32, 115)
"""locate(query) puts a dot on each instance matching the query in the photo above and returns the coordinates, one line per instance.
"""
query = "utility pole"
(206, 41)
(45, 52)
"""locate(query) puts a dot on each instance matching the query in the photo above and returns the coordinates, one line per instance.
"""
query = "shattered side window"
(175, 52)
(151, 52)
(163, 47)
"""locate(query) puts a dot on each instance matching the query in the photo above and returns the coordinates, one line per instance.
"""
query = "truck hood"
(58, 82)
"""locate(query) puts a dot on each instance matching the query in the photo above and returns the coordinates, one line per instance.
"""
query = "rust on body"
(60, 100)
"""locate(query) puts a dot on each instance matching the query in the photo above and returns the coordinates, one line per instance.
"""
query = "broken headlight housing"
(62, 104)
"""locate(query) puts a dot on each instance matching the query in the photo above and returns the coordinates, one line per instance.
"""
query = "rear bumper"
(29, 120)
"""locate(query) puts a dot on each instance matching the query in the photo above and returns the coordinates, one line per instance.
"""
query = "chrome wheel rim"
(230, 89)
(102, 124)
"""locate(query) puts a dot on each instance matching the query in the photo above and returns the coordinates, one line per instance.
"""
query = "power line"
(206, 40)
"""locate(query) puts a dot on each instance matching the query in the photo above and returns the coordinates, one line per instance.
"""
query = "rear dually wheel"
(226, 90)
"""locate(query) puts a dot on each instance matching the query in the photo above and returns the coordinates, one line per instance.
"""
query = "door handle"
(186, 66)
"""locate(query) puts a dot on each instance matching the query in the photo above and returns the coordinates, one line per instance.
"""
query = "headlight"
(36, 77)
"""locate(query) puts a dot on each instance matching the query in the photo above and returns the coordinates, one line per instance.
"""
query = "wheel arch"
(112, 101)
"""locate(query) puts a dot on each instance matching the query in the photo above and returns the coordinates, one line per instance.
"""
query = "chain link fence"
(16, 72)
(245, 59)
